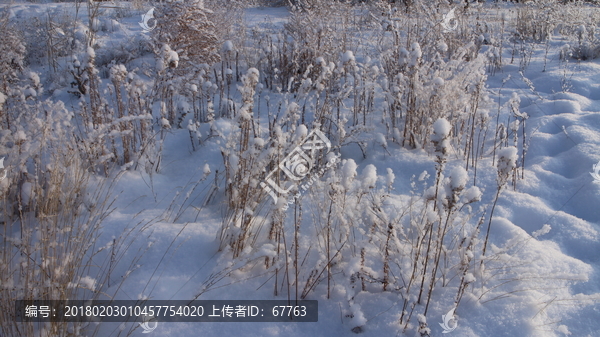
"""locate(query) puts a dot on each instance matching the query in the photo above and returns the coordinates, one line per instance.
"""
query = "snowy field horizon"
(419, 168)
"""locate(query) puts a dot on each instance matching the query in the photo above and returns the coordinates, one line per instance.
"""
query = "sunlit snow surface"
(554, 288)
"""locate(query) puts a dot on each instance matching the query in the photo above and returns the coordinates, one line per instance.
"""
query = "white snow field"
(454, 168)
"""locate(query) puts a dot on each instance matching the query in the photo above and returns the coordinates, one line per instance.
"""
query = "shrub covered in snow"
(186, 29)
(12, 55)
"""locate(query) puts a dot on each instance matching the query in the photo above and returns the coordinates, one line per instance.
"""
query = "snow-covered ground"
(542, 273)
